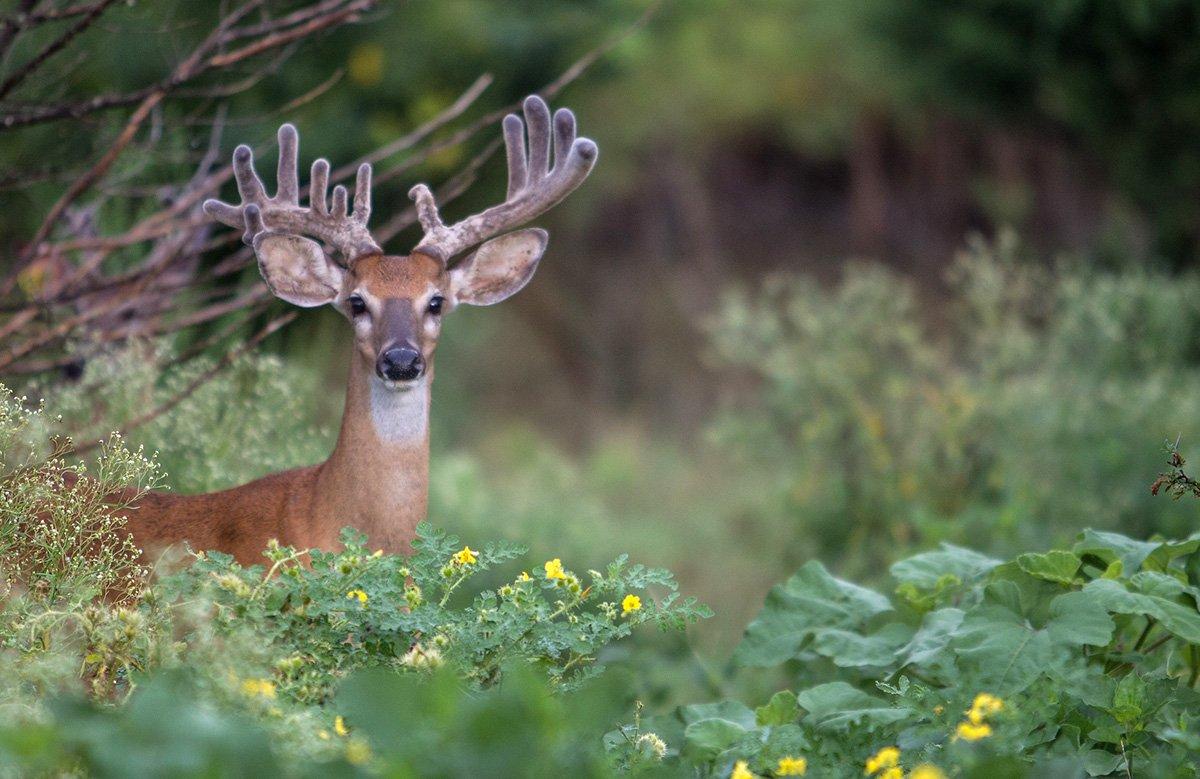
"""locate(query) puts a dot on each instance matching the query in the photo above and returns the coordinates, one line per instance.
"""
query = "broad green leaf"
(1055, 566)
(1183, 621)
(1097, 762)
(931, 639)
(780, 710)
(811, 600)
(706, 739)
(1114, 546)
(848, 649)
(734, 711)
(837, 706)
(927, 568)
(1161, 557)
(1006, 652)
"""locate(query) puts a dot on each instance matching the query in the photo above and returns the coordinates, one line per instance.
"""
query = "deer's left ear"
(498, 268)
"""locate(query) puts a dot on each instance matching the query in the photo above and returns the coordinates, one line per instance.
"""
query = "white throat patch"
(400, 415)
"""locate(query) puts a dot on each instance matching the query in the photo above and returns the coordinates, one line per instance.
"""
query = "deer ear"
(499, 268)
(297, 270)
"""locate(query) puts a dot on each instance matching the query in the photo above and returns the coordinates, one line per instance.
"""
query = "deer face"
(396, 303)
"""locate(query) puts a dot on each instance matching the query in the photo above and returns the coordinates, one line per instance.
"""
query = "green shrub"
(1072, 661)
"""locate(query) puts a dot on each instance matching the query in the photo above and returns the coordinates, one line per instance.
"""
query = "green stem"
(1145, 632)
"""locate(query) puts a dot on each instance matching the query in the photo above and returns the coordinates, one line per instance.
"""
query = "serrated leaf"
(1055, 566)
(837, 706)
(780, 710)
(810, 600)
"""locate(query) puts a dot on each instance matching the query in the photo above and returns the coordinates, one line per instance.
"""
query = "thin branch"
(15, 80)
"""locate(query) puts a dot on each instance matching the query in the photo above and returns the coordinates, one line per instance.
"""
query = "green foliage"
(1041, 393)
(1079, 659)
(51, 508)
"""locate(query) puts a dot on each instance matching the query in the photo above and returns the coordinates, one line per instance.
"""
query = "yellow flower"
(985, 704)
(631, 604)
(741, 770)
(466, 556)
(791, 766)
(895, 772)
(927, 771)
(524, 577)
(969, 731)
(888, 757)
(359, 595)
(339, 726)
(258, 688)
(554, 569)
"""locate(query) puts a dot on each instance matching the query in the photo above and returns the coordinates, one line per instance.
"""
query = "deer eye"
(357, 305)
(435, 304)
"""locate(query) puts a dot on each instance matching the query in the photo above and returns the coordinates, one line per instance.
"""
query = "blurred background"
(849, 280)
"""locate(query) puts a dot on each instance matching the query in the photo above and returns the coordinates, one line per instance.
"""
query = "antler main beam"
(533, 186)
(344, 231)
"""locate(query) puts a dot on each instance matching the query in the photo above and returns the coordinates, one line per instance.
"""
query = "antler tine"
(533, 186)
(346, 232)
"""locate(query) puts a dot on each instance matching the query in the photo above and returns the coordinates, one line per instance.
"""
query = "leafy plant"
(1083, 658)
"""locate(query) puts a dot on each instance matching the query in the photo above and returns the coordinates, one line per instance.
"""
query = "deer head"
(396, 302)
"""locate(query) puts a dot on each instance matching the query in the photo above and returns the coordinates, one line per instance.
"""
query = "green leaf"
(1161, 557)
(837, 706)
(1114, 546)
(931, 639)
(1007, 653)
(780, 710)
(706, 739)
(1054, 566)
(852, 650)
(1183, 621)
(809, 601)
(1097, 762)
(926, 569)
(734, 711)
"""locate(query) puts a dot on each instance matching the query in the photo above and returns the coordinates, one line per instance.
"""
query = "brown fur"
(377, 486)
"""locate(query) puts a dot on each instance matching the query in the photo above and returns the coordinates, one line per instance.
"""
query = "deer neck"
(377, 478)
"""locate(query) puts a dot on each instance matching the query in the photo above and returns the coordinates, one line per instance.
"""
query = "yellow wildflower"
(357, 751)
(466, 556)
(339, 726)
(358, 595)
(985, 704)
(791, 766)
(888, 757)
(630, 604)
(258, 688)
(741, 770)
(524, 577)
(927, 771)
(895, 772)
(554, 569)
(969, 731)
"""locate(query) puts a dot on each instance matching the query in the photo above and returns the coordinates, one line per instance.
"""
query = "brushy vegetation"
(1032, 408)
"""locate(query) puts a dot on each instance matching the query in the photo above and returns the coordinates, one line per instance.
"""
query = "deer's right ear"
(297, 269)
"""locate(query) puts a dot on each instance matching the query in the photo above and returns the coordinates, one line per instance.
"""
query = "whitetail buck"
(377, 477)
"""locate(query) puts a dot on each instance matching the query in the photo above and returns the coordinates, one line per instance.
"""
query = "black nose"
(400, 364)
